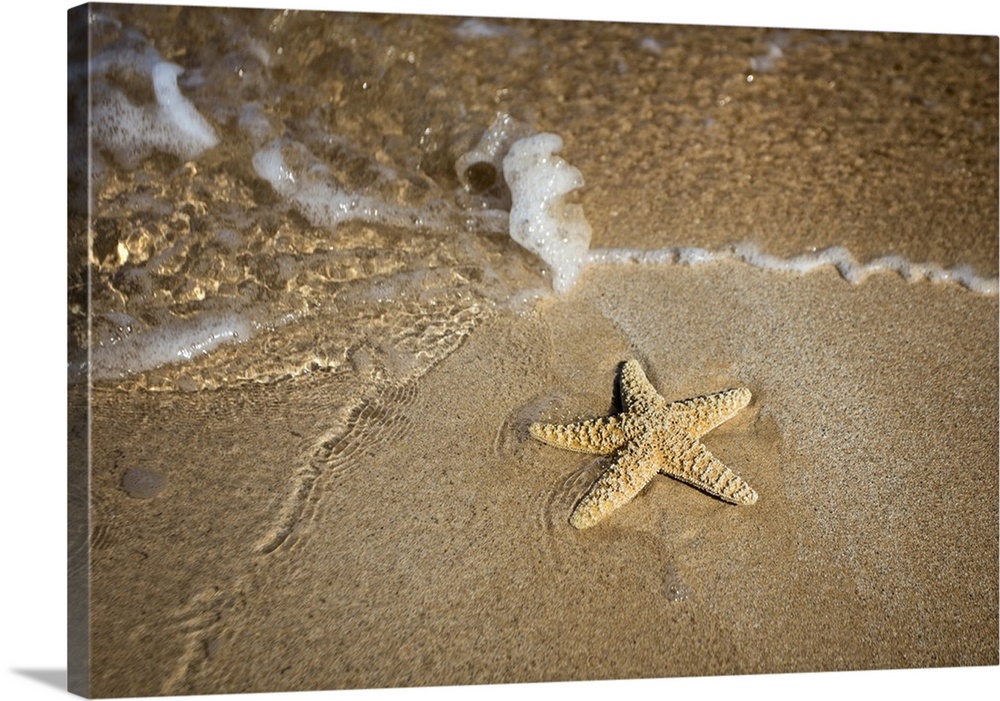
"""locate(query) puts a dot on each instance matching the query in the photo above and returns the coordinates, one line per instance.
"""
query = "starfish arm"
(617, 485)
(603, 435)
(638, 394)
(689, 461)
(701, 414)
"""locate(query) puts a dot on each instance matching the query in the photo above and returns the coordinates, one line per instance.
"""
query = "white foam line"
(837, 256)
(133, 352)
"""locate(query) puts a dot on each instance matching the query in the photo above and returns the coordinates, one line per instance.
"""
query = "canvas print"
(418, 350)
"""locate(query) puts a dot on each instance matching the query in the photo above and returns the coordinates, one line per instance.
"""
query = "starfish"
(651, 435)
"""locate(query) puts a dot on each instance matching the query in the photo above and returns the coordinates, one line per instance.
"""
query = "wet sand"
(439, 553)
(385, 520)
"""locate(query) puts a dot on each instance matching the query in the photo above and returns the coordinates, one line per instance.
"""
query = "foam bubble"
(482, 167)
(172, 124)
(540, 220)
(132, 350)
(474, 28)
(186, 132)
(837, 257)
(651, 45)
(298, 176)
(313, 188)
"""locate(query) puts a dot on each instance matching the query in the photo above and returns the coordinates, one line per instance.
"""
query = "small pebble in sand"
(141, 483)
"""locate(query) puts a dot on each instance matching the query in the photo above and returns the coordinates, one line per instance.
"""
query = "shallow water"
(274, 276)
(696, 143)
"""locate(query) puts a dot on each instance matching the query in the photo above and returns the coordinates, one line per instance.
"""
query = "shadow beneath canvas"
(50, 677)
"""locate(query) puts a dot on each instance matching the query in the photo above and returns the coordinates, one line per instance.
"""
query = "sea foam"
(131, 350)
(540, 220)
(481, 168)
(171, 124)
(301, 178)
(837, 257)
(311, 186)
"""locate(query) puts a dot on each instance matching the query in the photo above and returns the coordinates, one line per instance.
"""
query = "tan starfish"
(651, 435)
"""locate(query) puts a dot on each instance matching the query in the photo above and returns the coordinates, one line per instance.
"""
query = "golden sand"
(433, 559)
(355, 500)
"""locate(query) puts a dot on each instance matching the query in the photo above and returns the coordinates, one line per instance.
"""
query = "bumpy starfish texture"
(651, 435)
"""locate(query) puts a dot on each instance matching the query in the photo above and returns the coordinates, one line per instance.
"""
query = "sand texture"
(437, 549)
(350, 497)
